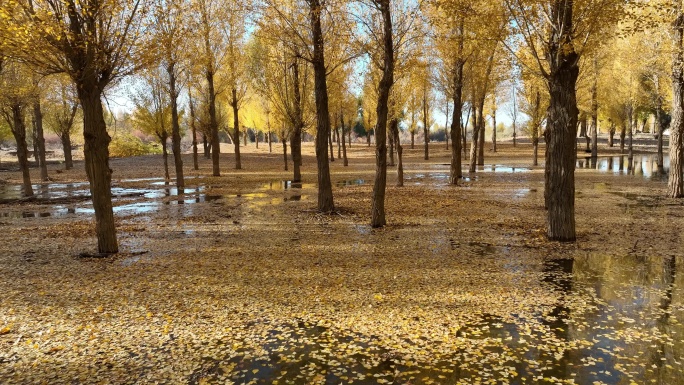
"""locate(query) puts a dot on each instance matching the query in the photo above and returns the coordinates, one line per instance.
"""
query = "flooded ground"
(238, 279)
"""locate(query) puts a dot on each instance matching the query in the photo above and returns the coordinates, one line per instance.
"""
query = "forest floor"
(240, 280)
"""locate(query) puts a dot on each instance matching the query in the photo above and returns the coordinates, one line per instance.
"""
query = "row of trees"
(289, 65)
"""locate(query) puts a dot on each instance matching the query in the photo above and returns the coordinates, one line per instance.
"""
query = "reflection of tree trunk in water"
(666, 300)
(558, 274)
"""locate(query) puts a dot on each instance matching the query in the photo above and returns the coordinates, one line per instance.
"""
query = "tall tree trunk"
(296, 137)
(207, 146)
(236, 129)
(284, 140)
(464, 135)
(446, 125)
(394, 129)
(96, 153)
(623, 133)
(413, 139)
(256, 139)
(660, 130)
(339, 142)
(193, 128)
(270, 148)
(594, 112)
(536, 123)
(40, 138)
(562, 126)
(175, 128)
(36, 152)
(455, 172)
(213, 124)
(165, 156)
(630, 133)
(345, 161)
(19, 131)
(474, 140)
(332, 148)
(325, 194)
(494, 125)
(65, 138)
(384, 88)
(611, 135)
(426, 124)
(390, 139)
(349, 138)
(481, 139)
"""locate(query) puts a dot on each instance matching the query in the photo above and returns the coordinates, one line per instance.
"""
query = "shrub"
(128, 145)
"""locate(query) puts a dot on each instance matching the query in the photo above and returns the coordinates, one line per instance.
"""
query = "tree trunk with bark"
(236, 129)
(332, 148)
(213, 124)
(535, 128)
(474, 141)
(284, 140)
(339, 142)
(623, 134)
(65, 138)
(40, 138)
(562, 126)
(175, 129)
(594, 112)
(345, 161)
(18, 127)
(390, 139)
(384, 88)
(96, 153)
(455, 172)
(193, 128)
(494, 126)
(296, 137)
(611, 135)
(165, 155)
(481, 139)
(394, 128)
(325, 194)
(426, 125)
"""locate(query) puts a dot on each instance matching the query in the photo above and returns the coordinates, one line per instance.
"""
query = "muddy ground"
(240, 280)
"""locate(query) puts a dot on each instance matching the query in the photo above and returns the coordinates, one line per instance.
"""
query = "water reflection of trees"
(635, 326)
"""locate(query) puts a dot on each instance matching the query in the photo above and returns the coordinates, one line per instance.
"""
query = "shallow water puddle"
(645, 166)
(614, 320)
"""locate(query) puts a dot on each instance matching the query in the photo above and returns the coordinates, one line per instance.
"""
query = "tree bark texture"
(18, 128)
(562, 119)
(455, 172)
(394, 128)
(675, 185)
(175, 129)
(325, 194)
(296, 137)
(384, 88)
(40, 138)
(213, 124)
(96, 153)
(65, 138)
(236, 129)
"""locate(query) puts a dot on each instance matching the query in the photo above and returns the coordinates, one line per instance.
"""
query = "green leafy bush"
(123, 146)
